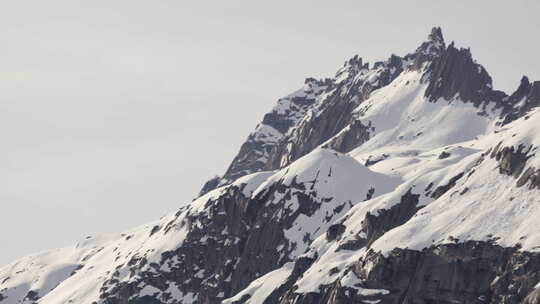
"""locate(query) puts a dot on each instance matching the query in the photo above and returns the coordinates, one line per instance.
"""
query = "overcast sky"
(113, 113)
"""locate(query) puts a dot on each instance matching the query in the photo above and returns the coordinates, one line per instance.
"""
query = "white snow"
(493, 208)
(333, 176)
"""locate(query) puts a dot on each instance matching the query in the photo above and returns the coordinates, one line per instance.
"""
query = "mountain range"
(410, 180)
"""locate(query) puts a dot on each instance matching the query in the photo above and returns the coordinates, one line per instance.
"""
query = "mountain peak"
(436, 35)
(434, 45)
(525, 81)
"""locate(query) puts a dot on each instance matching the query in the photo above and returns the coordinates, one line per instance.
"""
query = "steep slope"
(410, 181)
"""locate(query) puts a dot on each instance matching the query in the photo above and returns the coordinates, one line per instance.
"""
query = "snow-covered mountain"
(411, 180)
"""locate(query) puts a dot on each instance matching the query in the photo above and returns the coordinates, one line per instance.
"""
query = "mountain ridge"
(410, 181)
(446, 59)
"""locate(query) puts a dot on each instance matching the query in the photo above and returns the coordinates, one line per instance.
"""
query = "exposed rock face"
(513, 162)
(375, 226)
(452, 273)
(211, 184)
(440, 190)
(525, 98)
(335, 231)
(455, 74)
(350, 137)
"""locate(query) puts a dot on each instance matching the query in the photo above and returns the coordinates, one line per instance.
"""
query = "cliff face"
(411, 180)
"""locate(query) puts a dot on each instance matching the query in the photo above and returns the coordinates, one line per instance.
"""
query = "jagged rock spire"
(434, 45)
(525, 98)
(436, 35)
(456, 74)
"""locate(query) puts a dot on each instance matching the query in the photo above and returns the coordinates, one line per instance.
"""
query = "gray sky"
(114, 112)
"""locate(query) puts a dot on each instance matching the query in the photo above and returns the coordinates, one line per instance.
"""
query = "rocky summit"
(410, 180)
